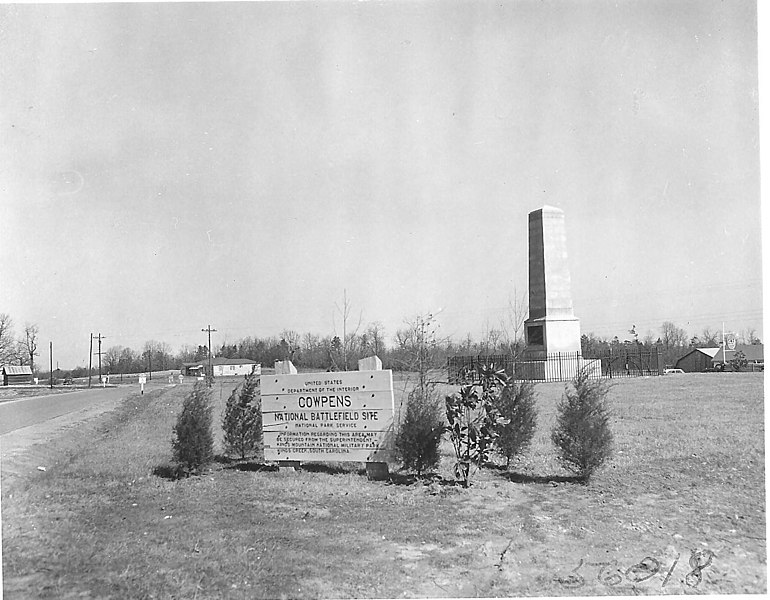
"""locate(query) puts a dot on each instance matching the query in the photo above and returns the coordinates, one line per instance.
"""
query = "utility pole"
(724, 347)
(90, 358)
(99, 338)
(211, 371)
(50, 353)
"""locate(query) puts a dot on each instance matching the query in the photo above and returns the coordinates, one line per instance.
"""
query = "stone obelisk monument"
(551, 326)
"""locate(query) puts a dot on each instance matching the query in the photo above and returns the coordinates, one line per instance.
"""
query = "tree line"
(416, 342)
(673, 341)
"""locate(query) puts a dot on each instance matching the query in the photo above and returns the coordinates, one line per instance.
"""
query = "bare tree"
(419, 347)
(128, 362)
(492, 339)
(112, 359)
(375, 338)
(709, 338)
(649, 338)
(512, 323)
(157, 354)
(347, 336)
(7, 343)
(310, 341)
(28, 344)
(748, 336)
(292, 339)
(673, 336)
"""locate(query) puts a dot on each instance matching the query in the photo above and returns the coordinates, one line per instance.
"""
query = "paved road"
(15, 414)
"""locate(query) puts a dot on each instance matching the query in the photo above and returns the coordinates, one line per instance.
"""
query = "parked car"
(68, 381)
(672, 371)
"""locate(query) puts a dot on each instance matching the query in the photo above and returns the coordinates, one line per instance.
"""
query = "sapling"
(472, 418)
(419, 435)
(242, 419)
(193, 442)
(515, 429)
(582, 434)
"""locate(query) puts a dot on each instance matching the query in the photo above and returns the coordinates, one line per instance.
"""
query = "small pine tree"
(582, 432)
(515, 429)
(193, 442)
(242, 419)
(419, 436)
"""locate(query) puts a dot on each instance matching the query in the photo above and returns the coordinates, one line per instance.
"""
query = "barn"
(697, 360)
(16, 375)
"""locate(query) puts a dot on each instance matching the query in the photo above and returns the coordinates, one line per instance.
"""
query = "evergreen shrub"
(419, 435)
(516, 407)
(242, 420)
(582, 434)
(193, 442)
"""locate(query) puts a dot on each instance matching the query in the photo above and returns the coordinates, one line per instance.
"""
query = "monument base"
(552, 334)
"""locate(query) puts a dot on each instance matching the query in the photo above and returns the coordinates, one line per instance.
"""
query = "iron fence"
(558, 366)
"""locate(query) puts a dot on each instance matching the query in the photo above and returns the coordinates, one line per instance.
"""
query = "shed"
(17, 374)
(697, 360)
(193, 369)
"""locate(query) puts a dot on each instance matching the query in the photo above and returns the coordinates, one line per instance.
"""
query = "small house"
(17, 374)
(222, 367)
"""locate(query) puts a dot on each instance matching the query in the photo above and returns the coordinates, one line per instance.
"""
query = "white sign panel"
(339, 416)
(731, 341)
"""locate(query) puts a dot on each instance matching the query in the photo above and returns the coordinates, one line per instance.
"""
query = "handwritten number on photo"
(573, 579)
(699, 560)
(644, 570)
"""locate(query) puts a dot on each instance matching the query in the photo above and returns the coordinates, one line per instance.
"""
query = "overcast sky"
(168, 166)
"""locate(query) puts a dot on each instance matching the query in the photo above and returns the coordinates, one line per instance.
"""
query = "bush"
(516, 407)
(242, 419)
(419, 436)
(472, 418)
(582, 432)
(193, 442)
(739, 361)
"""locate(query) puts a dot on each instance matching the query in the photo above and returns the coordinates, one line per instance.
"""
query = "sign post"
(142, 381)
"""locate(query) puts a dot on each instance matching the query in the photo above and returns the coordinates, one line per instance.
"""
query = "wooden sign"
(339, 416)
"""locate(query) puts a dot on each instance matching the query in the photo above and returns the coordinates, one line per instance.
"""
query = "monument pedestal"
(552, 334)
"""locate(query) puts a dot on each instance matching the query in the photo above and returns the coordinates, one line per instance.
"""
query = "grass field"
(680, 509)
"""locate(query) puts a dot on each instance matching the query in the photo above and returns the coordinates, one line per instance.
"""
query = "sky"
(165, 167)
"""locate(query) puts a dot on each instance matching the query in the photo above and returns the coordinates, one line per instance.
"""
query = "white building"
(223, 367)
